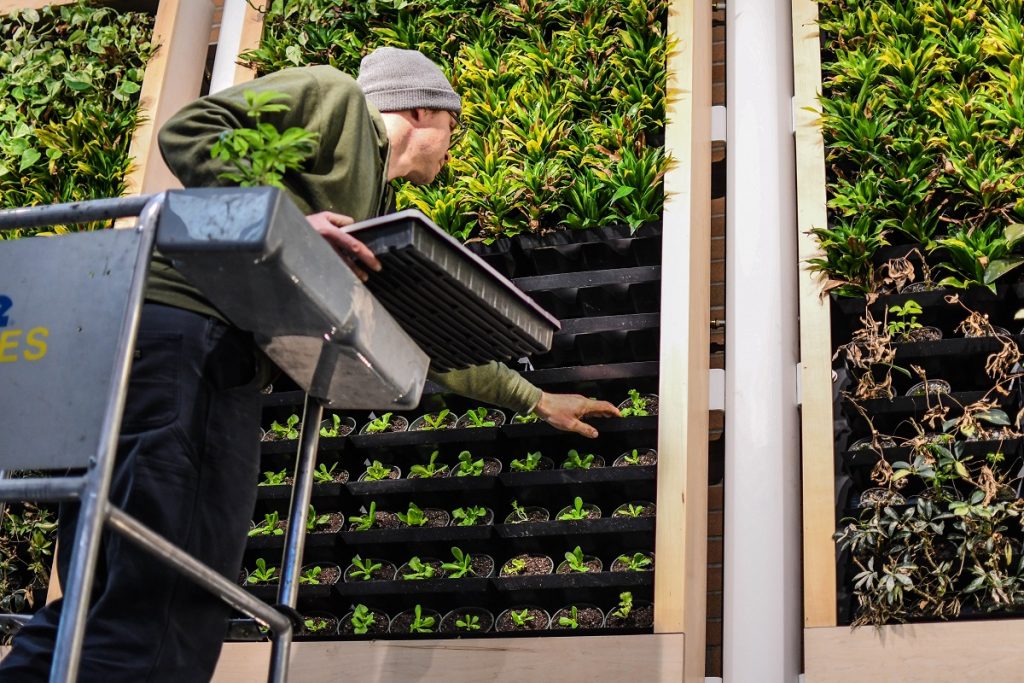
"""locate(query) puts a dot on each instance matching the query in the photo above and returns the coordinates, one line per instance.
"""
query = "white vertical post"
(228, 45)
(762, 628)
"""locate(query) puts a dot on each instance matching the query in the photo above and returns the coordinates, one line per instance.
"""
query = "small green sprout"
(630, 511)
(625, 606)
(520, 512)
(528, 465)
(414, 516)
(324, 474)
(478, 418)
(469, 622)
(469, 467)
(365, 522)
(570, 621)
(632, 458)
(420, 570)
(576, 512)
(576, 462)
(316, 624)
(469, 516)
(274, 478)
(637, 406)
(315, 521)
(906, 319)
(525, 419)
(262, 573)
(287, 430)
(429, 470)
(364, 569)
(362, 620)
(437, 422)
(269, 526)
(515, 566)
(332, 431)
(376, 472)
(311, 576)
(521, 617)
(462, 565)
(379, 425)
(421, 624)
(637, 563)
(575, 561)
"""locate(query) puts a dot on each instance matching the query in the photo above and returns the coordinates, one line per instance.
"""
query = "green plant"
(429, 470)
(262, 573)
(311, 576)
(315, 521)
(576, 561)
(364, 569)
(419, 570)
(529, 418)
(262, 155)
(632, 458)
(365, 522)
(461, 566)
(332, 431)
(478, 418)
(624, 607)
(906, 319)
(468, 622)
(324, 474)
(316, 624)
(26, 550)
(520, 512)
(637, 405)
(287, 430)
(515, 566)
(380, 424)
(413, 517)
(436, 421)
(377, 472)
(469, 516)
(362, 620)
(529, 464)
(269, 526)
(274, 478)
(521, 618)
(575, 462)
(637, 562)
(469, 467)
(420, 623)
(576, 512)
(630, 511)
(571, 620)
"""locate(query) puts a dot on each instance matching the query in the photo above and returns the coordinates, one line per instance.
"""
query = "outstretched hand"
(354, 253)
(564, 411)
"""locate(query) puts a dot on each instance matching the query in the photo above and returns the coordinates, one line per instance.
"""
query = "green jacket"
(347, 175)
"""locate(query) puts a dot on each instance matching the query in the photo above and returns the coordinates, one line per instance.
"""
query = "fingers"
(360, 251)
(602, 409)
(354, 253)
(582, 428)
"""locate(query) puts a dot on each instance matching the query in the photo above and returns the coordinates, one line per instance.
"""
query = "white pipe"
(762, 628)
(228, 43)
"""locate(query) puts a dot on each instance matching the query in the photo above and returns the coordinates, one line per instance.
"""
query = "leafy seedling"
(469, 516)
(420, 623)
(521, 617)
(638, 562)
(365, 522)
(377, 472)
(529, 464)
(624, 607)
(576, 562)
(469, 467)
(515, 566)
(478, 418)
(462, 566)
(419, 570)
(575, 461)
(637, 405)
(288, 430)
(379, 425)
(576, 512)
(436, 421)
(324, 474)
(269, 526)
(630, 511)
(364, 569)
(413, 517)
(469, 622)
(311, 576)
(429, 470)
(525, 419)
(332, 431)
(571, 620)
(262, 573)
(362, 620)
(314, 521)
(274, 478)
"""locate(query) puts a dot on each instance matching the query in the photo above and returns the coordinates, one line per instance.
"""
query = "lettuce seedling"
(287, 430)
(462, 565)
(576, 512)
(637, 406)
(421, 624)
(469, 516)
(376, 472)
(436, 422)
(429, 470)
(311, 576)
(637, 563)
(515, 566)
(313, 520)
(478, 418)
(469, 622)
(575, 462)
(575, 561)
(364, 569)
(324, 474)
(528, 465)
(315, 625)
(274, 478)
(420, 570)
(570, 621)
(521, 617)
(525, 419)
(268, 527)
(262, 573)
(625, 606)
(362, 620)
(414, 517)
(379, 425)
(630, 511)
(332, 431)
(365, 522)
(469, 467)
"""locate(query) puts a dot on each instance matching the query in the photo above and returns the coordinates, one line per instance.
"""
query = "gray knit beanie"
(397, 80)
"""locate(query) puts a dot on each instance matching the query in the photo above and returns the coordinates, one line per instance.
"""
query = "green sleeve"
(491, 383)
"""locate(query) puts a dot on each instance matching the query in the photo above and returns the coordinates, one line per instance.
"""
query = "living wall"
(923, 108)
(69, 78)
(564, 102)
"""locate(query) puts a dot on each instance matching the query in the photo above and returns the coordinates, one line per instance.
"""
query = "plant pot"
(339, 476)
(588, 616)
(253, 525)
(641, 616)
(420, 423)
(405, 570)
(396, 473)
(329, 625)
(493, 415)
(540, 621)
(436, 518)
(596, 463)
(536, 565)
(935, 387)
(651, 401)
(382, 519)
(346, 427)
(381, 621)
(329, 575)
(492, 468)
(534, 513)
(593, 564)
(1001, 331)
(449, 624)
(593, 512)
(335, 524)
(248, 573)
(386, 572)
(920, 334)
(487, 519)
(482, 567)
(403, 620)
(647, 457)
(649, 509)
(619, 566)
(397, 423)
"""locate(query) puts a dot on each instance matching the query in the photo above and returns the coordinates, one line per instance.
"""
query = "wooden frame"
(967, 650)
(680, 585)
(172, 79)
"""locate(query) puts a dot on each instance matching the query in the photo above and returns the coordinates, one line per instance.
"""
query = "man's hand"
(563, 411)
(353, 252)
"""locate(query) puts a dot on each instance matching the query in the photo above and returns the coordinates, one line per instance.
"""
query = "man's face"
(432, 139)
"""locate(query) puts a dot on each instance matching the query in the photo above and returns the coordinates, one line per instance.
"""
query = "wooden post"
(815, 329)
(681, 538)
(252, 32)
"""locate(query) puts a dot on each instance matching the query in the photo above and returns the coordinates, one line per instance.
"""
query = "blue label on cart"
(5, 305)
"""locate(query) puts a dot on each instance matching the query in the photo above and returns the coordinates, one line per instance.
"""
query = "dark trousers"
(187, 465)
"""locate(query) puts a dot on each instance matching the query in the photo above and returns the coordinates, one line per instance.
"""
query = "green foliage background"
(564, 101)
(923, 121)
(69, 78)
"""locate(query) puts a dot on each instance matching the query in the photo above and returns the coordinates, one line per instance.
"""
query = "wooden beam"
(916, 653)
(681, 538)
(173, 78)
(815, 329)
(252, 32)
(646, 658)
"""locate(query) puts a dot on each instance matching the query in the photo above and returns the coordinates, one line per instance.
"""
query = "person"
(188, 454)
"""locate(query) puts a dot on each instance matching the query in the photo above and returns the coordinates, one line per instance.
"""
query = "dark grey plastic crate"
(460, 310)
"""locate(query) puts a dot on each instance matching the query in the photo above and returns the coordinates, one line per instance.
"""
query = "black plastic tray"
(459, 309)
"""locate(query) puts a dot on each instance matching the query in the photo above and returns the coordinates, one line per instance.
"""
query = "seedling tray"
(459, 309)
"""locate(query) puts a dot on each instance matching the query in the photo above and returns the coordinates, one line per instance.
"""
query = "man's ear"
(418, 114)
